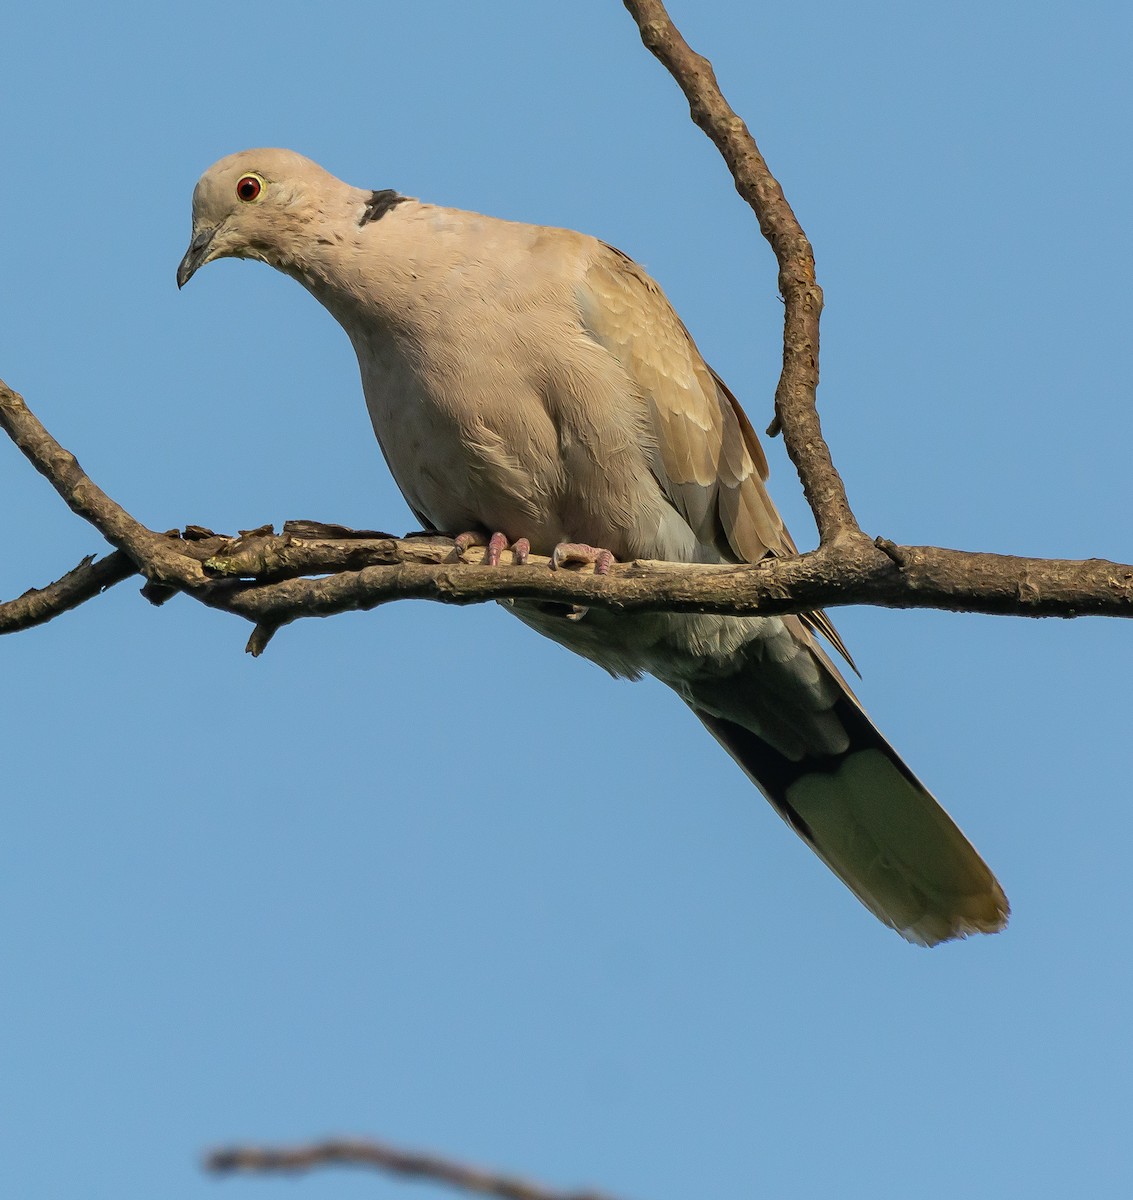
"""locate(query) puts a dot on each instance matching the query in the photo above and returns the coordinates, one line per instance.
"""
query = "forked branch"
(795, 411)
(317, 571)
(311, 571)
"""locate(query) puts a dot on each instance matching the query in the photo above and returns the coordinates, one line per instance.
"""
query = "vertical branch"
(795, 411)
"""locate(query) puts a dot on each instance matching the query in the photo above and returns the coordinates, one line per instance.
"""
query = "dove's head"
(262, 204)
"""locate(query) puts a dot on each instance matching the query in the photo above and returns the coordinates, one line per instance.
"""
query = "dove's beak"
(196, 256)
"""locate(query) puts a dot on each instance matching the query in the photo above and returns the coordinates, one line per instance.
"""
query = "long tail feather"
(878, 828)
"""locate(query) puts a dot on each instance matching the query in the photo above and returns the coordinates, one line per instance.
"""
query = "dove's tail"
(877, 827)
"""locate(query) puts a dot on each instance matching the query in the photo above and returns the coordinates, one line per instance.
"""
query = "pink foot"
(567, 554)
(496, 545)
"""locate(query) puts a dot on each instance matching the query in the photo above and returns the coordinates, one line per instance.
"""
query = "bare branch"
(831, 576)
(60, 467)
(267, 579)
(81, 583)
(795, 411)
(387, 1158)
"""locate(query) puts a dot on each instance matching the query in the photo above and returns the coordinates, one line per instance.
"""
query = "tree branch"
(862, 572)
(314, 570)
(148, 550)
(81, 583)
(267, 579)
(795, 411)
(386, 1158)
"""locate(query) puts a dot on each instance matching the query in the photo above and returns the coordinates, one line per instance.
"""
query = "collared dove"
(534, 386)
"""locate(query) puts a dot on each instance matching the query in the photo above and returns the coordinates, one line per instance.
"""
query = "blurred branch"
(386, 1158)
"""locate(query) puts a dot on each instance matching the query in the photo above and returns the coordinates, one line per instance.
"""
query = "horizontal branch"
(390, 1159)
(851, 571)
(272, 580)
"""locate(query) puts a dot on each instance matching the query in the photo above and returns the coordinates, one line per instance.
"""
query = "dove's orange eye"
(249, 188)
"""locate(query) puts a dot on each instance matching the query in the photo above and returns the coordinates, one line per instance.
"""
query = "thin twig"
(387, 1158)
(795, 396)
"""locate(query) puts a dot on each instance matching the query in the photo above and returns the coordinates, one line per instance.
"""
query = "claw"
(464, 540)
(578, 553)
(567, 554)
(495, 546)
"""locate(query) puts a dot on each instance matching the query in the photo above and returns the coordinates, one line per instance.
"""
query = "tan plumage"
(536, 382)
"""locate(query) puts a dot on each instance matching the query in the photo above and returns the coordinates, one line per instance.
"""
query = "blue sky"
(418, 874)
